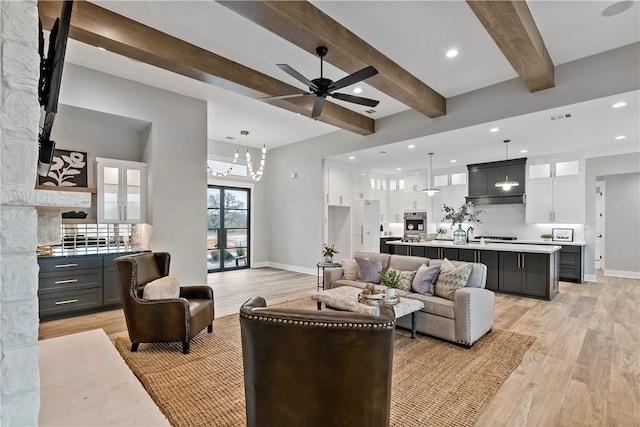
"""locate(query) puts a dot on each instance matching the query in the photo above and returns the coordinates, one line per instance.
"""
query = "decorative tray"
(376, 299)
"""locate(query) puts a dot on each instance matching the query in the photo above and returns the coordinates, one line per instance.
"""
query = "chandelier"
(254, 175)
(506, 184)
(430, 190)
(228, 171)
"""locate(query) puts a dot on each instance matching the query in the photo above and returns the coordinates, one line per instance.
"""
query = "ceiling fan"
(323, 87)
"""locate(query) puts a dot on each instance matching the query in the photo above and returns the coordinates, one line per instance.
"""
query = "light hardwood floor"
(583, 369)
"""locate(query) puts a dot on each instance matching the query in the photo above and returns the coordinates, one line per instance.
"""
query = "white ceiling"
(415, 34)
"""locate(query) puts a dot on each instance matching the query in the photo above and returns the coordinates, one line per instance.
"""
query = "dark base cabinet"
(488, 258)
(571, 264)
(529, 274)
(73, 285)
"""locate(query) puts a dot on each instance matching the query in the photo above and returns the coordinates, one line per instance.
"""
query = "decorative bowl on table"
(371, 299)
(390, 300)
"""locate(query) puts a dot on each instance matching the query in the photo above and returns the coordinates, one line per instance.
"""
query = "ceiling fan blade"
(296, 75)
(317, 106)
(355, 99)
(291, 95)
(356, 77)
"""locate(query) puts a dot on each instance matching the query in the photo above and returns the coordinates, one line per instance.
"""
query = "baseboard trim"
(294, 268)
(260, 264)
(590, 278)
(621, 273)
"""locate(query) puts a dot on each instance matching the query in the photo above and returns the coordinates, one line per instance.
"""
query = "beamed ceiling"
(509, 23)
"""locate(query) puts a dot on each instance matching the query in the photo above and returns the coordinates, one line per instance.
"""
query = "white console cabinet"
(339, 187)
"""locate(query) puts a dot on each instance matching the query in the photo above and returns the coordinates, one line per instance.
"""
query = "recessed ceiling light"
(453, 161)
(411, 146)
(362, 174)
(398, 169)
(101, 48)
(524, 151)
(620, 137)
(616, 9)
(452, 53)
(619, 104)
(494, 129)
(357, 89)
(352, 157)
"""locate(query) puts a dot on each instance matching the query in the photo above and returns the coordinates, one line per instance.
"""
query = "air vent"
(370, 111)
(229, 137)
(381, 152)
(561, 116)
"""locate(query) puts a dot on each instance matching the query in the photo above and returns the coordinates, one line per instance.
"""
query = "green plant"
(441, 230)
(546, 236)
(239, 251)
(391, 278)
(329, 250)
(465, 213)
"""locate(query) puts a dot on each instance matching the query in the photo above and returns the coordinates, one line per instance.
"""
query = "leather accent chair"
(164, 320)
(316, 368)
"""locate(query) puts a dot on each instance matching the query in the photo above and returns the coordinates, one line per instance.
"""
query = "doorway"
(228, 213)
(600, 221)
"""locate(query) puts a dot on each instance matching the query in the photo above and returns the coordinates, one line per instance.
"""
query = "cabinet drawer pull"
(66, 265)
(60, 282)
(69, 301)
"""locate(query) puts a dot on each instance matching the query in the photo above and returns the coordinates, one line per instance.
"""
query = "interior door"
(371, 226)
(228, 210)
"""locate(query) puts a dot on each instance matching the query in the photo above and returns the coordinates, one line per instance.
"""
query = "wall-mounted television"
(49, 82)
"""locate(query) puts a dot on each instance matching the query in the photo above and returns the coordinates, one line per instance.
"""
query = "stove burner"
(495, 238)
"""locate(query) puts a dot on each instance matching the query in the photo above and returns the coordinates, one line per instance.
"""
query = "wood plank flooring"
(583, 369)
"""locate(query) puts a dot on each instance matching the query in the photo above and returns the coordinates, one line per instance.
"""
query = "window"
(458, 178)
(220, 166)
(540, 171)
(567, 168)
(441, 180)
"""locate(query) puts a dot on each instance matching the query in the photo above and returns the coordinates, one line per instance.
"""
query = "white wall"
(176, 159)
(622, 225)
(602, 166)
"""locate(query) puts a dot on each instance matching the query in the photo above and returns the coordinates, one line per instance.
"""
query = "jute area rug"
(435, 383)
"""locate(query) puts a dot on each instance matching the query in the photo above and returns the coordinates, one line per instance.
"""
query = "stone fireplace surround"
(28, 217)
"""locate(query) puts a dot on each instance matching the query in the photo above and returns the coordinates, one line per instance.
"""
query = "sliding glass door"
(228, 228)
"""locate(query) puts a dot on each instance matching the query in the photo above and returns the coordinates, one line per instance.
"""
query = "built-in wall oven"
(415, 223)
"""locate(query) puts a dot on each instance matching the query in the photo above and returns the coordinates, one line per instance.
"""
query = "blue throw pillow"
(425, 279)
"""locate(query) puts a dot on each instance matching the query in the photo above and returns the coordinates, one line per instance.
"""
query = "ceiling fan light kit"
(507, 184)
(322, 87)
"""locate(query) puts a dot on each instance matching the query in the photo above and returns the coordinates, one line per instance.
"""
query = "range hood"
(484, 176)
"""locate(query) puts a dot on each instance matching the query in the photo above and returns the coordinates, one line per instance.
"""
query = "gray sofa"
(463, 321)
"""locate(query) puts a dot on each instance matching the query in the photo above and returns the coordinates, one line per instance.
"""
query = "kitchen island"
(521, 269)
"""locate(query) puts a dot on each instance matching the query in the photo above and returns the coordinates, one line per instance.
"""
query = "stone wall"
(19, 378)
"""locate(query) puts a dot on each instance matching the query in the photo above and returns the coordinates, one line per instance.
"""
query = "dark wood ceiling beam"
(306, 26)
(514, 30)
(100, 27)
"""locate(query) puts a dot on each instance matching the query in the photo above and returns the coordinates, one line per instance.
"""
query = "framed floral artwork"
(68, 169)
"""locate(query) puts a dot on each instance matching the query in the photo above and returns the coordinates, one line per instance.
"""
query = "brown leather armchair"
(316, 368)
(165, 320)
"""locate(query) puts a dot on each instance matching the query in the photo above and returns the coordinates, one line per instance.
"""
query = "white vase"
(328, 259)
(391, 293)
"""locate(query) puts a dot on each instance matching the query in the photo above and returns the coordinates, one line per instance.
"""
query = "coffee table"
(346, 298)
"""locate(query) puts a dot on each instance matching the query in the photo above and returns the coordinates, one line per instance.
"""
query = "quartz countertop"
(542, 242)
(113, 250)
(488, 246)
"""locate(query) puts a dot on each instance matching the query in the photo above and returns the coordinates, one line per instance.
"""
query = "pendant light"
(430, 190)
(229, 169)
(507, 184)
(258, 174)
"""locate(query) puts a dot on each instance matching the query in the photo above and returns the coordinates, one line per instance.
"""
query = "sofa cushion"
(451, 279)
(478, 276)
(350, 269)
(162, 288)
(425, 279)
(374, 255)
(406, 278)
(435, 305)
(407, 263)
(369, 269)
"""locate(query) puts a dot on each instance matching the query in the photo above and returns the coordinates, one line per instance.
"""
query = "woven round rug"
(435, 383)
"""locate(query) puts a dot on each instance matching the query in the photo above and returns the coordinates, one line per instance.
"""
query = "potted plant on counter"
(465, 213)
(546, 237)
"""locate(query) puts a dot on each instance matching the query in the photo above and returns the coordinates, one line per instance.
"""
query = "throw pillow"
(162, 288)
(425, 279)
(406, 279)
(369, 270)
(450, 281)
(349, 269)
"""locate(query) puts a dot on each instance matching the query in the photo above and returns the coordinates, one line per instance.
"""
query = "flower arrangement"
(465, 213)
(328, 251)
(391, 278)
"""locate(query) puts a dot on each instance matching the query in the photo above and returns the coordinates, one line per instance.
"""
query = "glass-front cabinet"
(122, 190)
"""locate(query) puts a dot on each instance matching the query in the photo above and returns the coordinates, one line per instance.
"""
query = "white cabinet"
(357, 226)
(395, 206)
(339, 187)
(414, 183)
(122, 191)
(453, 196)
(359, 186)
(415, 202)
(553, 200)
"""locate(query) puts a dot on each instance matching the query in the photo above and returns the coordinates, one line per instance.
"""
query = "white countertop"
(489, 246)
(542, 242)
